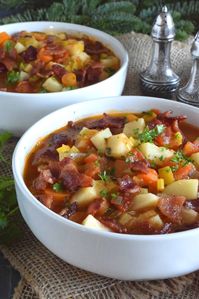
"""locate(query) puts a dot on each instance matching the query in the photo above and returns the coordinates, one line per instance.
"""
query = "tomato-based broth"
(120, 172)
(39, 62)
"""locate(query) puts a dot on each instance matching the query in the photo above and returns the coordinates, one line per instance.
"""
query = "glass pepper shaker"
(159, 79)
(190, 92)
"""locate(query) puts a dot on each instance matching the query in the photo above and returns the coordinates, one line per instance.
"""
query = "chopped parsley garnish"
(114, 195)
(180, 158)
(116, 199)
(69, 88)
(149, 135)
(174, 168)
(110, 71)
(97, 163)
(57, 187)
(153, 164)
(104, 176)
(12, 77)
(8, 46)
(103, 193)
(112, 171)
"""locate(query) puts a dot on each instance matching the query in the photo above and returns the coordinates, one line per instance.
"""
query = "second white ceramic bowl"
(128, 257)
(20, 110)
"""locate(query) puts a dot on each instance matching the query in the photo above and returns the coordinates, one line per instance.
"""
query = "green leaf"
(112, 7)
(12, 77)
(6, 182)
(3, 221)
(4, 137)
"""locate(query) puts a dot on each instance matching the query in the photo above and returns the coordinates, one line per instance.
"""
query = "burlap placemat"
(45, 276)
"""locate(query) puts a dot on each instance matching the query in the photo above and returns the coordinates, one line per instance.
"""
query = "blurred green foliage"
(112, 16)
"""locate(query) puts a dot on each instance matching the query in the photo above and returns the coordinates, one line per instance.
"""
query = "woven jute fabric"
(45, 276)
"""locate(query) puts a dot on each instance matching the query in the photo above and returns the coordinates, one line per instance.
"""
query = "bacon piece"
(171, 207)
(3, 68)
(37, 67)
(140, 166)
(44, 73)
(12, 53)
(92, 75)
(30, 54)
(9, 63)
(71, 178)
(98, 207)
(94, 47)
(58, 70)
(68, 212)
(2, 53)
(167, 228)
(45, 177)
(24, 87)
(192, 204)
(113, 225)
(47, 200)
(81, 76)
(126, 184)
(67, 137)
(167, 119)
(106, 121)
(69, 175)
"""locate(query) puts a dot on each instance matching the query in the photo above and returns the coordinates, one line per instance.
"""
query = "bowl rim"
(119, 46)
(19, 181)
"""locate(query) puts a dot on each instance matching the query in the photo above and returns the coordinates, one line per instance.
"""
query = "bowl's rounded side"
(19, 111)
(129, 257)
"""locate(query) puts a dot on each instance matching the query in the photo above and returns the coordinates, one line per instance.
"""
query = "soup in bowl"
(120, 186)
(47, 65)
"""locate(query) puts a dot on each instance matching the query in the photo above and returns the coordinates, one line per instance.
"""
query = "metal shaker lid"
(195, 46)
(163, 28)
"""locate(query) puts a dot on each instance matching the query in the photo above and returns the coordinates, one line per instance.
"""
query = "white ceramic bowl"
(128, 257)
(20, 110)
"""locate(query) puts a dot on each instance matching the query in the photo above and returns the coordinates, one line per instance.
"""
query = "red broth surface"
(38, 62)
(127, 173)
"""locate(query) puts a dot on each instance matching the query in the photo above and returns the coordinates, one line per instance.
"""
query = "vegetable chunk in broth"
(120, 172)
(39, 62)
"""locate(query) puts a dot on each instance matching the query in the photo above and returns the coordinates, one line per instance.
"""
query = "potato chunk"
(134, 128)
(92, 222)
(99, 139)
(189, 216)
(51, 84)
(84, 196)
(154, 153)
(156, 222)
(187, 188)
(118, 145)
(195, 158)
(144, 201)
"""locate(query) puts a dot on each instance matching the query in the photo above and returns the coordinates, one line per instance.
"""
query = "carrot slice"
(4, 37)
(69, 79)
(183, 172)
(148, 178)
(190, 148)
(91, 158)
(43, 56)
(57, 196)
